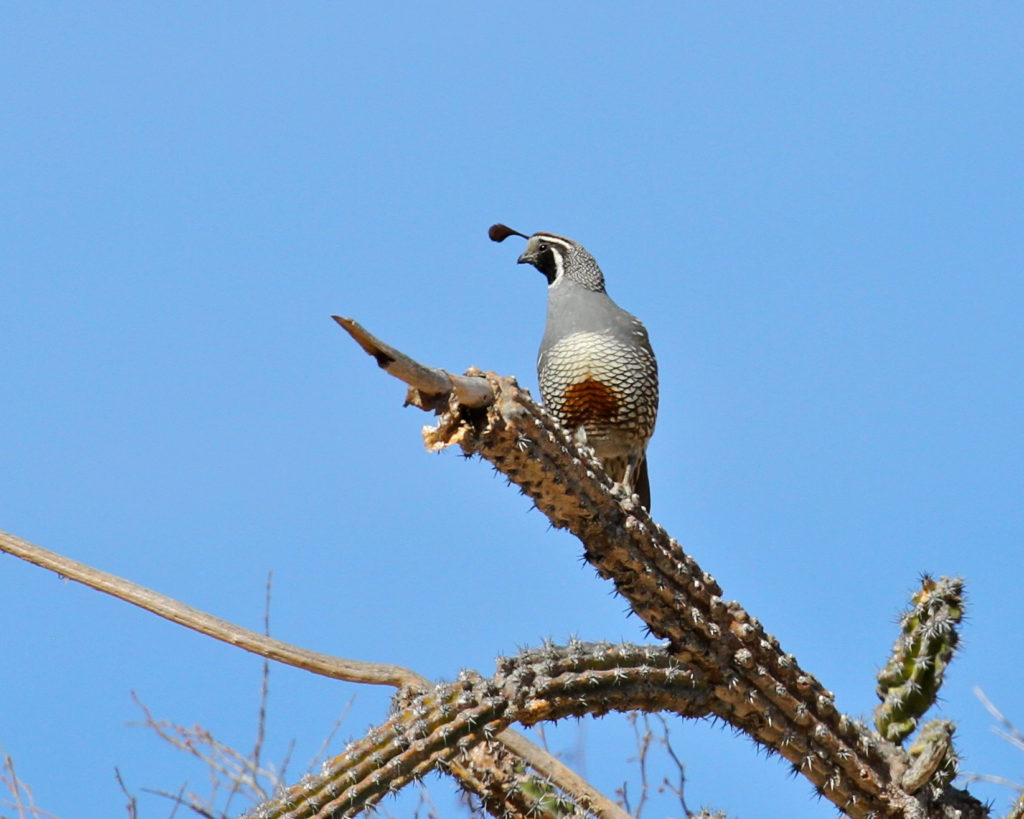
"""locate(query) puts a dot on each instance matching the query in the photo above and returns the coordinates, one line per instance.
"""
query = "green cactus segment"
(910, 681)
(546, 800)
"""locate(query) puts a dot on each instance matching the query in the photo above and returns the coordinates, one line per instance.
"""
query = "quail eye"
(543, 245)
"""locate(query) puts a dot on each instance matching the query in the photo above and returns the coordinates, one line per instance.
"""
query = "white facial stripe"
(553, 240)
(559, 268)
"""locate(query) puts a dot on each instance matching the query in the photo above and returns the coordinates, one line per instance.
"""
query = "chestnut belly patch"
(588, 402)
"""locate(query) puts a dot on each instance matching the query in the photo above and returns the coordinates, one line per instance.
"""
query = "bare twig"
(1015, 737)
(193, 802)
(1009, 731)
(426, 803)
(261, 722)
(679, 788)
(10, 780)
(133, 806)
(227, 767)
(12, 783)
(643, 746)
(644, 740)
(321, 754)
(23, 800)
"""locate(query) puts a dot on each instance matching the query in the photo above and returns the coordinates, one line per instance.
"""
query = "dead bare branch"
(21, 794)
(429, 385)
(1009, 732)
(133, 804)
(325, 665)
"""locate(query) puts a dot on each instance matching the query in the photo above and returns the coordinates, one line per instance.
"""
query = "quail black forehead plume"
(499, 233)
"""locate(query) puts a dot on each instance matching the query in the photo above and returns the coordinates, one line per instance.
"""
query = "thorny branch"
(438, 729)
(756, 686)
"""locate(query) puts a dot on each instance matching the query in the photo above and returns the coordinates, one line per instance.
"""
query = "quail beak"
(526, 258)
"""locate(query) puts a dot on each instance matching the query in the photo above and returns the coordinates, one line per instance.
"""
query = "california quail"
(596, 368)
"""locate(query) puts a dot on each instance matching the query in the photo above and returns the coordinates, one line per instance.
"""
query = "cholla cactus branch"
(508, 788)
(514, 777)
(756, 686)
(909, 684)
(934, 759)
(439, 729)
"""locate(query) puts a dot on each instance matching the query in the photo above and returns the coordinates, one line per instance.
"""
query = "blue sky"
(815, 208)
